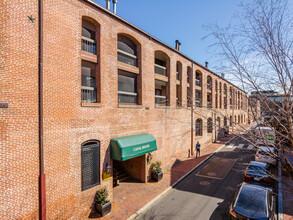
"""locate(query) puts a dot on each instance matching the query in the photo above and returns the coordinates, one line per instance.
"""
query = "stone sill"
(91, 104)
(162, 107)
(129, 106)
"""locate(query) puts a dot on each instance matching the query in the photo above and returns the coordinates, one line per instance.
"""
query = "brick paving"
(131, 196)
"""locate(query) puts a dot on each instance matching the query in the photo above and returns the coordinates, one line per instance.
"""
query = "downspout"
(191, 109)
(42, 182)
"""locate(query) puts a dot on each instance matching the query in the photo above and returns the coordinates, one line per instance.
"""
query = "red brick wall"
(67, 124)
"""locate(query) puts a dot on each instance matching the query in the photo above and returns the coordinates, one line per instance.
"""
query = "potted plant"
(156, 170)
(103, 206)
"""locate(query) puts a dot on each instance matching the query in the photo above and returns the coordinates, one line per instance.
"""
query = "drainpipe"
(191, 109)
(42, 182)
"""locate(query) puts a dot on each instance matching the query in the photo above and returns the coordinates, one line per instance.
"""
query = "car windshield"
(257, 169)
(252, 201)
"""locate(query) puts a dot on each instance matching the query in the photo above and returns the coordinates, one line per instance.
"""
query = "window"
(179, 84)
(210, 125)
(90, 164)
(127, 89)
(209, 83)
(225, 121)
(198, 78)
(160, 67)
(198, 98)
(127, 52)
(231, 120)
(160, 93)
(88, 82)
(88, 38)
(209, 100)
(198, 127)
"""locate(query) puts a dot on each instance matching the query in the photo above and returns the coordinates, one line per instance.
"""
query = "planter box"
(157, 177)
(103, 209)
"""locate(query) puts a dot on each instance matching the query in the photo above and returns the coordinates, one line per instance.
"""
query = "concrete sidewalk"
(130, 197)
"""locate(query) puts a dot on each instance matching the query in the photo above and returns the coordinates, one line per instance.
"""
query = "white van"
(265, 136)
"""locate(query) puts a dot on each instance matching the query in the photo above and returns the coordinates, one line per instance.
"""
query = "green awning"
(127, 147)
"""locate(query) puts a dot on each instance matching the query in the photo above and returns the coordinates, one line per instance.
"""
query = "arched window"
(90, 80)
(179, 83)
(198, 78)
(198, 127)
(189, 91)
(238, 119)
(162, 89)
(90, 164)
(210, 125)
(127, 51)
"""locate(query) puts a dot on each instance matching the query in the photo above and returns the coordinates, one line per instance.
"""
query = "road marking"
(230, 146)
(240, 145)
(250, 147)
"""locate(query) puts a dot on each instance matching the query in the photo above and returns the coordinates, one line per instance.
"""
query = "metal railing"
(160, 100)
(197, 103)
(88, 45)
(88, 94)
(127, 97)
(178, 103)
(127, 58)
(160, 70)
(177, 76)
(209, 104)
(209, 86)
(197, 82)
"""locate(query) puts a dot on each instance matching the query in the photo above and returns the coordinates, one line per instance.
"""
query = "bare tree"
(258, 53)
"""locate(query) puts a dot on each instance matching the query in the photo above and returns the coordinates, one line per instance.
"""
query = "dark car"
(253, 202)
(258, 172)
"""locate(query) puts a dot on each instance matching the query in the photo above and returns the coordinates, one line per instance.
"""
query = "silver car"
(264, 154)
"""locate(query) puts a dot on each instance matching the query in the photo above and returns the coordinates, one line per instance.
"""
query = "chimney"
(108, 4)
(114, 6)
(207, 64)
(177, 45)
(223, 75)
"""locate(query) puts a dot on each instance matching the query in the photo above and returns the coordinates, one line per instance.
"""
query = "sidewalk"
(129, 197)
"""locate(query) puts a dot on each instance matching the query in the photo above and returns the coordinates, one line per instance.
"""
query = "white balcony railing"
(197, 82)
(88, 94)
(160, 100)
(88, 45)
(127, 58)
(127, 97)
(160, 70)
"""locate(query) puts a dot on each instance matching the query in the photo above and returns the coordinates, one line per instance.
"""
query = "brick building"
(104, 78)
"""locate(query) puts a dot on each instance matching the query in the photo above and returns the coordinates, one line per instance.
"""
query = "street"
(207, 192)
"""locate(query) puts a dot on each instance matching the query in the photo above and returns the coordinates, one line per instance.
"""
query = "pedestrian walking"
(197, 147)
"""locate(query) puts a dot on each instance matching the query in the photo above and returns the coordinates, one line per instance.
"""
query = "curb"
(136, 214)
(280, 194)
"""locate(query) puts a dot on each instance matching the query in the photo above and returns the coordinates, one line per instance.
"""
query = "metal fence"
(160, 70)
(127, 97)
(160, 100)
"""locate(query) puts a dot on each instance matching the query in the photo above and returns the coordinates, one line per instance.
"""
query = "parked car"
(253, 202)
(258, 172)
(263, 155)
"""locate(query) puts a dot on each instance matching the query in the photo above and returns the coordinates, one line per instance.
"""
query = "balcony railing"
(127, 97)
(160, 70)
(197, 103)
(178, 103)
(88, 45)
(197, 82)
(177, 76)
(209, 104)
(88, 94)
(160, 100)
(127, 58)
(209, 86)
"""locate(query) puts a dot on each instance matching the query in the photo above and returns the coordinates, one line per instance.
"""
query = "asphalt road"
(207, 192)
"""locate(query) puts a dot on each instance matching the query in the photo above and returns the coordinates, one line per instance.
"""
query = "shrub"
(156, 167)
(101, 196)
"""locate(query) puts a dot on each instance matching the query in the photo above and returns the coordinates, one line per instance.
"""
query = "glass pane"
(126, 84)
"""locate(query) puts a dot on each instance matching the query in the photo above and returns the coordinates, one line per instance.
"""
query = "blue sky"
(183, 20)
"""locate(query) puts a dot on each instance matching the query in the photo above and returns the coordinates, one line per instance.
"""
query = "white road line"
(250, 147)
(240, 145)
(230, 146)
